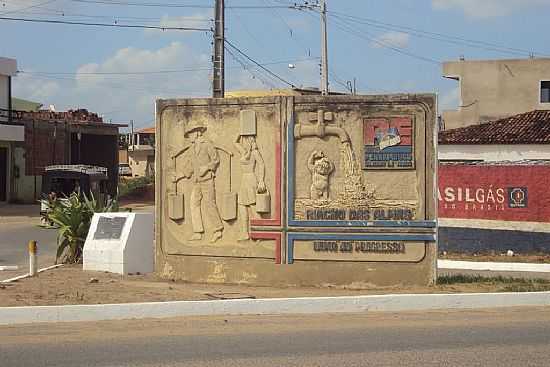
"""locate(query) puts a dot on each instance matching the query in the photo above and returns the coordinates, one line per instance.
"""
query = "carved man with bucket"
(204, 161)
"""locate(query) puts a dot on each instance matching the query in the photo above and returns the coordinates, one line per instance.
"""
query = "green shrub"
(72, 216)
(133, 186)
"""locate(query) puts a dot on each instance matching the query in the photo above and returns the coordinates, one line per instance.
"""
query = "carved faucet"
(320, 128)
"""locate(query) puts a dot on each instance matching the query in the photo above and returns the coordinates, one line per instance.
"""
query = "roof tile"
(526, 128)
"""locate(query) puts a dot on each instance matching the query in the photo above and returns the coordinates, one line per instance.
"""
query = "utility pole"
(218, 87)
(324, 49)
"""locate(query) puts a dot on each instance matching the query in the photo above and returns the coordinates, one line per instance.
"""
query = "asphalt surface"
(14, 238)
(21, 223)
(510, 337)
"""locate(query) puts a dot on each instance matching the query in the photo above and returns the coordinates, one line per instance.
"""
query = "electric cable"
(51, 21)
(258, 64)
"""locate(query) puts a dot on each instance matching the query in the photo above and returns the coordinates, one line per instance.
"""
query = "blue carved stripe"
(395, 149)
(361, 223)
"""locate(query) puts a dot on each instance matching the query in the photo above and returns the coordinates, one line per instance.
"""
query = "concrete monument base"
(120, 243)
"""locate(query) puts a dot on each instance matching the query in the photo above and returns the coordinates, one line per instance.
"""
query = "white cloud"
(395, 39)
(35, 87)
(129, 95)
(487, 8)
(99, 86)
(198, 20)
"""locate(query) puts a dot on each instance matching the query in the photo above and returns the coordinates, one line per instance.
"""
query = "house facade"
(493, 89)
(141, 152)
(11, 132)
(493, 185)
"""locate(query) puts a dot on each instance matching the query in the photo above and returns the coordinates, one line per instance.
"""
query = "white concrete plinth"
(125, 250)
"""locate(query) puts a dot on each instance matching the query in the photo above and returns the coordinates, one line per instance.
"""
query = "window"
(545, 91)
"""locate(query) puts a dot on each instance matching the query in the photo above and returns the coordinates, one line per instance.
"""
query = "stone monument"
(299, 191)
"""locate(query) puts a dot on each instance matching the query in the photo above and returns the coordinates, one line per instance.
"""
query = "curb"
(493, 266)
(9, 267)
(275, 306)
(28, 275)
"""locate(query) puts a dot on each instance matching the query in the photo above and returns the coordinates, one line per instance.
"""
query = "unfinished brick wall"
(45, 144)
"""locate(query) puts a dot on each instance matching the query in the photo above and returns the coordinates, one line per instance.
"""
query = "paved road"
(517, 337)
(18, 225)
(14, 237)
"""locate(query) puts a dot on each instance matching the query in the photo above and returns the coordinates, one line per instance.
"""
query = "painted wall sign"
(389, 143)
(517, 197)
(504, 192)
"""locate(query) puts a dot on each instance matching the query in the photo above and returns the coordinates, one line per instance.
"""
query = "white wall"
(23, 189)
(12, 133)
(137, 160)
(8, 67)
(4, 92)
(493, 153)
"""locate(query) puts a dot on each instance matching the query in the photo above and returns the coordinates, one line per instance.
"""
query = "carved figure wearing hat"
(204, 162)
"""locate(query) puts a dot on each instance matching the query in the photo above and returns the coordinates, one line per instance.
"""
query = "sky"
(386, 46)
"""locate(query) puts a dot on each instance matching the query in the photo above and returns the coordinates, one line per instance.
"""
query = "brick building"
(72, 137)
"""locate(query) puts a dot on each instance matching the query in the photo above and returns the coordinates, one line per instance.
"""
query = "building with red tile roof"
(521, 137)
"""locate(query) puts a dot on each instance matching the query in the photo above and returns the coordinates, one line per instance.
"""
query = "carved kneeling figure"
(321, 168)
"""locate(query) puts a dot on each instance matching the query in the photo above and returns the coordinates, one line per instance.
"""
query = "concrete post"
(33, 264)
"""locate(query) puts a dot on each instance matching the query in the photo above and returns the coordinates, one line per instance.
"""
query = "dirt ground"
(72, 285)
(517, 258)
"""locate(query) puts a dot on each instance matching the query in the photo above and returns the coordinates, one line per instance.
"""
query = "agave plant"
(73, 215)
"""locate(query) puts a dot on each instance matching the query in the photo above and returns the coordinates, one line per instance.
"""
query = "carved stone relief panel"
(219, 177)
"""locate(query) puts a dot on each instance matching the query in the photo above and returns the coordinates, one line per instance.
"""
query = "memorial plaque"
(109, 228)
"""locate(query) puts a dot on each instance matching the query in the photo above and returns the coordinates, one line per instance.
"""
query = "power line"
(28, 7)
(175, 5)
(153, 72)
(51, 21)
(344, 26)
(120, 86)
(50, 12)
(259, 65)
(332, 71)
(246, 67)
(299, 43)
(435, 35)
(128, 3)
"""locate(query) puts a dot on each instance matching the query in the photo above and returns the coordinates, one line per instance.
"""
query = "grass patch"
(469, 279)
(532, 287)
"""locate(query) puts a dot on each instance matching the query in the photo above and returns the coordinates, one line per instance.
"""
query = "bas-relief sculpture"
(321, 168)
(348, 169)
(252, 181)
(214, 207)
(200, 167)
(347, 193)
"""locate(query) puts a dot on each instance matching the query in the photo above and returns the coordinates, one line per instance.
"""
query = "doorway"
(3, 173)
